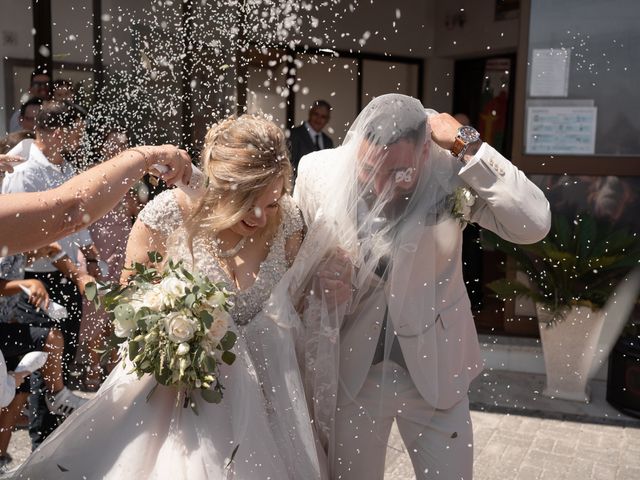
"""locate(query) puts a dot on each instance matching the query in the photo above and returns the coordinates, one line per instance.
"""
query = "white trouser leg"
(444, 448)
(439, 442)
(361, 444)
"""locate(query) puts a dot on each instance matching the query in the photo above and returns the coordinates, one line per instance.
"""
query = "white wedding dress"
(123, 434)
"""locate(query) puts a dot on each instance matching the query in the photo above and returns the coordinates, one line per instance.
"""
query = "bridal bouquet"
(176, 324)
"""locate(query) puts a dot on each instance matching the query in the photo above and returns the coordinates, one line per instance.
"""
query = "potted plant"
(623, 379)
(572, 274)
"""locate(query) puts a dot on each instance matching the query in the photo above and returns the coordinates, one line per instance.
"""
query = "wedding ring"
(337, 274)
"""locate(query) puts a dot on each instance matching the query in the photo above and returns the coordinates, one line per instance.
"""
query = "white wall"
(15, 42)
(480, 35)
(399, 27)
(403, 27)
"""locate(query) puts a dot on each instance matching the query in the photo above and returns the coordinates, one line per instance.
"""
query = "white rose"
(137, 303)
(154, 298)
(122, 328)
(464, 200)
(173, 287)
(183, 349)
(179, 327)
(217, 299)
(220, 325)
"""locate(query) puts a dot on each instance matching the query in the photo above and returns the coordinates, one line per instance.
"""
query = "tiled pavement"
(532, 446)
(512, 447)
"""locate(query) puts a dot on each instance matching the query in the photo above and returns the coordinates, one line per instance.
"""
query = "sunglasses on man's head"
(40, 84)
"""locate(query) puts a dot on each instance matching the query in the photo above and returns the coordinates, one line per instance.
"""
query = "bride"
(245, 232)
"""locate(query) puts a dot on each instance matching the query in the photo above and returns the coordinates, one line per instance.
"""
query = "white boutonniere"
(462, 199)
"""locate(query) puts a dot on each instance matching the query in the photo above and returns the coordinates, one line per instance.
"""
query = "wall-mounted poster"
(568, 130)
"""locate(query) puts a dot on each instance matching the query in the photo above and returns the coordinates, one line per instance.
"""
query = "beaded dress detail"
(249, 302)
(162, 214)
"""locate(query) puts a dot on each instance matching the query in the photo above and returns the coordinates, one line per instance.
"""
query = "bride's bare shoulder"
(183, 201)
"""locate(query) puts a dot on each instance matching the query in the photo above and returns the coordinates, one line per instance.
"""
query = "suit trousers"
(439, 442)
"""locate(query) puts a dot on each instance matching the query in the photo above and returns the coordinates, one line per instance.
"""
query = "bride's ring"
(337, 274)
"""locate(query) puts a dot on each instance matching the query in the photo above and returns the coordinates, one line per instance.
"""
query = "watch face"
(468, 134)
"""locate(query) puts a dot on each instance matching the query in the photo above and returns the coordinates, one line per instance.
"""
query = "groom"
(408, 345)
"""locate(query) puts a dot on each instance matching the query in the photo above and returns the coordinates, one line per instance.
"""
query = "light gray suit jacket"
(441, 349)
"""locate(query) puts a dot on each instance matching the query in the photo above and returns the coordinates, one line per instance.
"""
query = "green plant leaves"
(228, 357)
(154, 257)
(211, 396)
(581, 261)
(228, 341)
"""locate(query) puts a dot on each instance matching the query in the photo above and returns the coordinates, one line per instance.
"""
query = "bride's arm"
(142, 240)
(156, 222)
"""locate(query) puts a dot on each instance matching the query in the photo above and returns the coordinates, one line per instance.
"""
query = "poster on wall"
(569, 130)
(494, 103)
(549, 72)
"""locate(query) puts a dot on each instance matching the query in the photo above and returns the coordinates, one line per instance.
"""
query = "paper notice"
(549, 72)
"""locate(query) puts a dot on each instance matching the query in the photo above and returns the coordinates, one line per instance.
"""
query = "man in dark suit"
(309, 136)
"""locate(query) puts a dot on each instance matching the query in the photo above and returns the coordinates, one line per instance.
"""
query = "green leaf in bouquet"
(154, 257)
(210, 364)
(139, 268)
(206, 318)
(91, 291)
(151, 319)
(134, 348)
(186, 274)
(163, 376)
(190, 300)
(124, 312)
(228, 357)
(141, 314)
(211, 396)
(114, 341)
(228, 341)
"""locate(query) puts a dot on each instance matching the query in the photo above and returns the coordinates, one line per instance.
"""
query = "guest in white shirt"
(59, 130)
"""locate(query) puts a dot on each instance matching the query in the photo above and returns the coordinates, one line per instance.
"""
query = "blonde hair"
(241, 157)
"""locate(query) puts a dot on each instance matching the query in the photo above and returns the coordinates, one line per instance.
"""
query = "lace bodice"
(248, 302)
(162, 213)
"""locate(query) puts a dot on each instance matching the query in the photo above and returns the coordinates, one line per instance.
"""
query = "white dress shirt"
(313, 134)
(38, 174)
(7, 384)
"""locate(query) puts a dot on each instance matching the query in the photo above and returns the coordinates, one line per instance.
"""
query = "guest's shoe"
(65, 402)
(5, 459)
